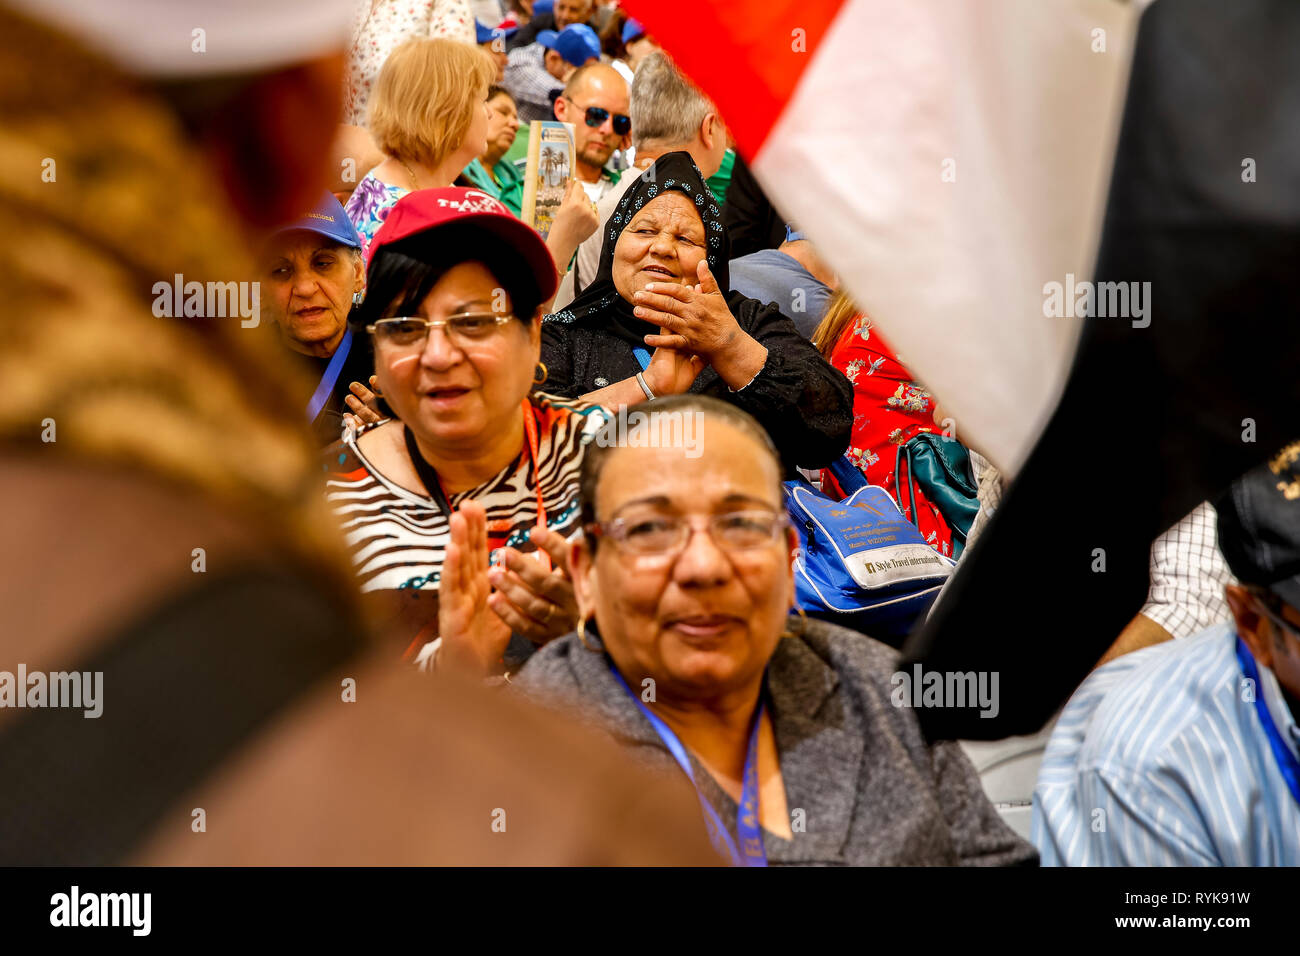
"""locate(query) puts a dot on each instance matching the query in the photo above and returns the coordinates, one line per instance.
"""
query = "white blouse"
(381, 26)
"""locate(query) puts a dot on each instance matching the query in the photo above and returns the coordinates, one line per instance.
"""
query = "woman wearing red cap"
(473, 470)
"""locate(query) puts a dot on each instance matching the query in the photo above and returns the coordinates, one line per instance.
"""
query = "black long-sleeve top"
(805, 403)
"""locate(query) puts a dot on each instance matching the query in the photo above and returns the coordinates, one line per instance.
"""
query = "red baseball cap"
(422, 212)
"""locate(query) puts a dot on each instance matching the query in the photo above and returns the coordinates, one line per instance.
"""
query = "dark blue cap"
(1259, 525)
(543, 6)
(487, 34)
(631, 30)
(329, 220)
(577, 43)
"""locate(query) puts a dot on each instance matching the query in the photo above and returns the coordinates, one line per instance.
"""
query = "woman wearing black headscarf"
(657, 320)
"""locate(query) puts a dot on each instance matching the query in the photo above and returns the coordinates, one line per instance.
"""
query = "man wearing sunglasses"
(595, 102)
(1188, 753)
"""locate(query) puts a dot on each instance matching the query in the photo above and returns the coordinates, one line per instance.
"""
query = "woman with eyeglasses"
(472, 466)
(659, 318)
(687, 653)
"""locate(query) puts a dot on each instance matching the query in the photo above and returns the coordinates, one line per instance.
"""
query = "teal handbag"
(941, 467)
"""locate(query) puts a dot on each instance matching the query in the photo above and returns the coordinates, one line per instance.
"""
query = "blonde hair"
(425, 97)
(839, 313)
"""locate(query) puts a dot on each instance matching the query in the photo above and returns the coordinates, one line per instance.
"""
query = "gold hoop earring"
(582, 635)
(542, 380)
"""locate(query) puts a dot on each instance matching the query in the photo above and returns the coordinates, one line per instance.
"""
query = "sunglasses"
(596, 116)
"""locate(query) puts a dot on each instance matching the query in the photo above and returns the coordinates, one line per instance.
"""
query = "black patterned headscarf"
(600, 303)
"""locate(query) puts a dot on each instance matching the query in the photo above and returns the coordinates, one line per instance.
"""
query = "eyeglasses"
(412, 331)
(596, 116)
(665, 535)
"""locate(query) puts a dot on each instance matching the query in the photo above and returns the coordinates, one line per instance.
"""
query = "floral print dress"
(889, 408)
(368, 208)
(381, 26)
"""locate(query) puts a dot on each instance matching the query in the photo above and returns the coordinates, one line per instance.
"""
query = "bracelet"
(640, 380)
(733, 391)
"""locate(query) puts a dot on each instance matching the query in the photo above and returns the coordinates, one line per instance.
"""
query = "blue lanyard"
(642, 356)
(1286, 760)
(330, 378)
(750, 851)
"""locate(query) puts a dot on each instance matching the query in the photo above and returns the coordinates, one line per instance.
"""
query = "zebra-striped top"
(397, 537)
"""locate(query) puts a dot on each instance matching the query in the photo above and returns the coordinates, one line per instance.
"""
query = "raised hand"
(474, 639)
(671, 371)
(574, 221)
(364, 404)
(534, 600)
(694, 319)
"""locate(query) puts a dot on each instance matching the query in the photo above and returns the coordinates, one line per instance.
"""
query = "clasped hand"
(479, 605)
(694, 319)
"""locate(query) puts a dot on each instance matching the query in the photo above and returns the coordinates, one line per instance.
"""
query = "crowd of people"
(459, 376)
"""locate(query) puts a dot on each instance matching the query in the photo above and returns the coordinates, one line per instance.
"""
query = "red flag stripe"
(747, 56)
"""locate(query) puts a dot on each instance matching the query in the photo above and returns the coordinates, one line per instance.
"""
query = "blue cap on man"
(577, 43)
(329, 220)
(631, 30)
(543, 6)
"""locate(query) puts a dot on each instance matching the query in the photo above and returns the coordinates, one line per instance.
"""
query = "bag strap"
(182, 691)
(847, 475)
(904, 454)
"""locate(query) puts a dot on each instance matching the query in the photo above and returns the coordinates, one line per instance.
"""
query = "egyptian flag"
(952, 161)
(947, 158)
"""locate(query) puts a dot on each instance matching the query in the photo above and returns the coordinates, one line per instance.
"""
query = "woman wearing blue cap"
(312, 273)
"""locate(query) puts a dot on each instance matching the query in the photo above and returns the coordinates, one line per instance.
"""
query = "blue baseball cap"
(631, 30)
(577, 43)
(543, 6)
(327, 219)
(487, 34)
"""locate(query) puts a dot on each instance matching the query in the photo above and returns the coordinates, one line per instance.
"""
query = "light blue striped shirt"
(1160, 759)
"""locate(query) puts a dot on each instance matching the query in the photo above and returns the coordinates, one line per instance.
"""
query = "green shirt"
(720, 180)
(508, 187)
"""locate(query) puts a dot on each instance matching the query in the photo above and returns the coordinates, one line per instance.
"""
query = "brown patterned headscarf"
(101, 197)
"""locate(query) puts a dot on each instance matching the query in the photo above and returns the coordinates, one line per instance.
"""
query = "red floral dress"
(889, 407)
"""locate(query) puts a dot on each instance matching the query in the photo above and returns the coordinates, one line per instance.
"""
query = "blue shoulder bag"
(861, 563)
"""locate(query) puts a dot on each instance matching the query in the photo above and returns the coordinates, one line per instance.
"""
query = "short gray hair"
(666, 108)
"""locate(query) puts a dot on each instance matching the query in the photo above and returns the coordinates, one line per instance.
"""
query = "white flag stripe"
(953, 272)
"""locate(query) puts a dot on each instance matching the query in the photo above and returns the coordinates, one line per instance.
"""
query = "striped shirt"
(398, 537)
(1160, 759)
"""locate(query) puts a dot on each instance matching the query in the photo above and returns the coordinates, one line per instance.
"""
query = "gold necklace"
(415, 183)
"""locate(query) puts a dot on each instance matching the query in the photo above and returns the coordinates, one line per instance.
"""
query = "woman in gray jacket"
(688, 654)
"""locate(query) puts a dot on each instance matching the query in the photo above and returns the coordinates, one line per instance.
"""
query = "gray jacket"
(872, 791)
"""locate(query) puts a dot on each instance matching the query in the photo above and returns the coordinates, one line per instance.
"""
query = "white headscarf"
(176, 39)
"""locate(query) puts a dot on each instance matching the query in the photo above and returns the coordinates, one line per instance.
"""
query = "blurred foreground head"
(168, 537)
